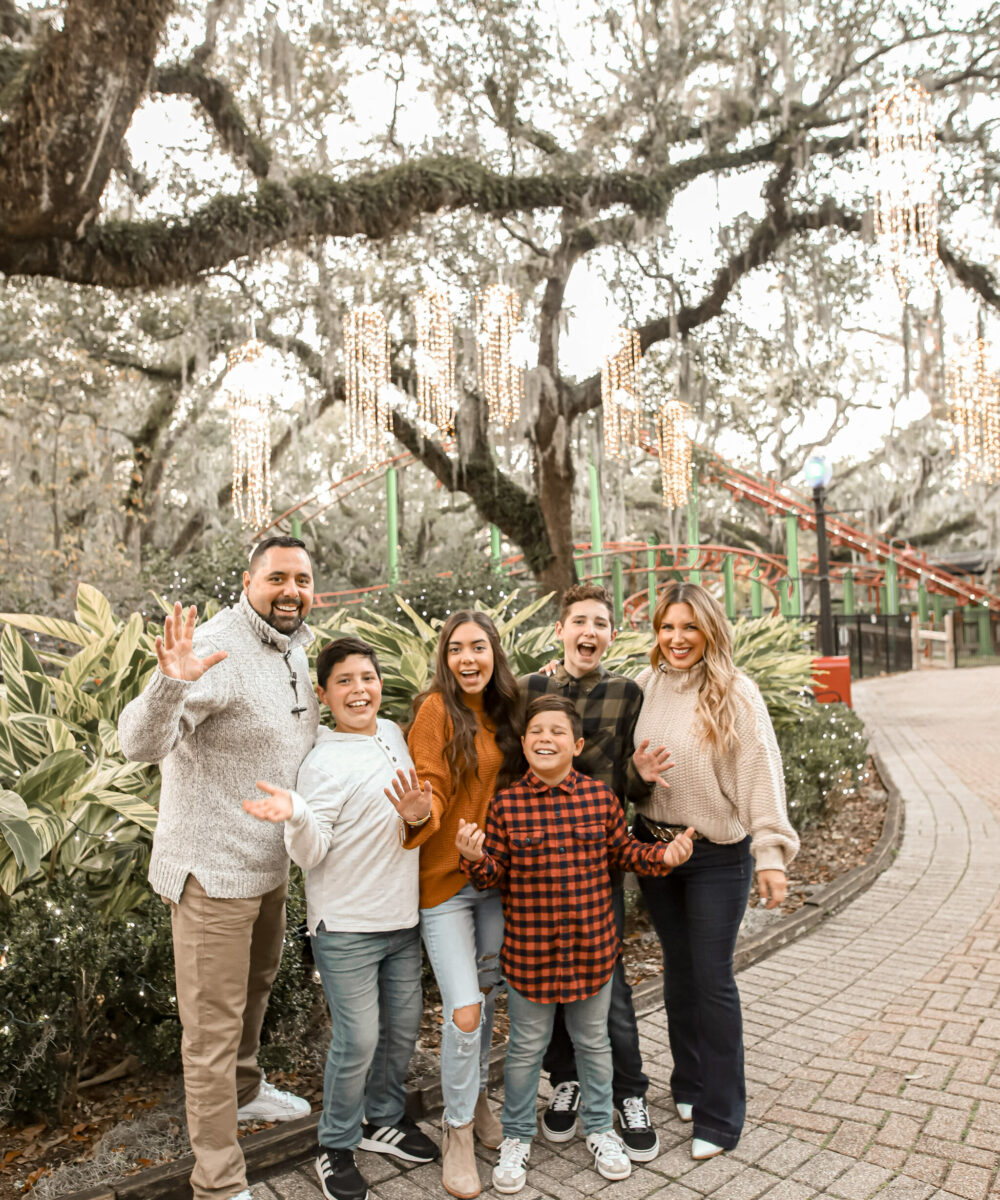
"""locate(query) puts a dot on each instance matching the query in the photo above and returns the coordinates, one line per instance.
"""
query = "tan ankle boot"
(485, 1124)
(458, 1162)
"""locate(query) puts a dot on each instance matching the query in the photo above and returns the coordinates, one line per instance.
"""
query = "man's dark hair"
(284, 540)
(553, 703)
(335, 652)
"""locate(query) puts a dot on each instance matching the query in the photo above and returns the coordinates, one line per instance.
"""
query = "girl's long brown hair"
(501, 701)
(717, 699)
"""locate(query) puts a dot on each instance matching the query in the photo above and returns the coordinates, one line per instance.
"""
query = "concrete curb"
(295, 1139)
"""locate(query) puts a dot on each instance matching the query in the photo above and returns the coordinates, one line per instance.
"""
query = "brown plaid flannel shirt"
(609, 706)
(549, 849)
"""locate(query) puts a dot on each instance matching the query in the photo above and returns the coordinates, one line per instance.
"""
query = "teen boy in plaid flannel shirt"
(550, 842)
(609, 706)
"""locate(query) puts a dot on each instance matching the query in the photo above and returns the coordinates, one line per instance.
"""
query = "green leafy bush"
(79, 991)
(824, 752)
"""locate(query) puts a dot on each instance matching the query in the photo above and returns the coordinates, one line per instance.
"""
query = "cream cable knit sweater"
(215, 738)
(724, 796)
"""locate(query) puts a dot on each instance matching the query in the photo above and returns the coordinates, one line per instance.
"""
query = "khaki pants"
(226, 955)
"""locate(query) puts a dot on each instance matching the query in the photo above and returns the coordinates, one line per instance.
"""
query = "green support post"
(848, 585)
(693, 529)
(392, 524)
(985, 646)
(651, 577)
(937, 608)
(922, 606)
(596, 537)
(729, 586)
(891, 586)
(495, 549)
(296, 525)
(792, 606)
(618, 590)
(756, 594)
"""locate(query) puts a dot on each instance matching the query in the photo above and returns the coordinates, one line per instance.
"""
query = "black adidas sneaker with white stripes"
(405, 1140)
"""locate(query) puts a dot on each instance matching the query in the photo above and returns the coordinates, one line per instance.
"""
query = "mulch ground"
(30, 1153)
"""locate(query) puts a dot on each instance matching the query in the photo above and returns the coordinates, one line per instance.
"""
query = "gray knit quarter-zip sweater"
(215, 738)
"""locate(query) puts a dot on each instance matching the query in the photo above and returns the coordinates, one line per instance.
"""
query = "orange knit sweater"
(440, 877)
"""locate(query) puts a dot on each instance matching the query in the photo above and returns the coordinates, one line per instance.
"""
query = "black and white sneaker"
(405, 1140)
(559, 1119)
(641, 1140)
(339, 1176)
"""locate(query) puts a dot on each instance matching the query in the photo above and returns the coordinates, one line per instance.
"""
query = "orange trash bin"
(832, 679)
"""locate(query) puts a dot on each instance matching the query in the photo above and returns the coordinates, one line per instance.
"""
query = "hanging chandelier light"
(901, 149)
(501, 378)
(435, 359)
(366, 375)
(674, 447)
(621, 393)
(246, 386)
(975, 395)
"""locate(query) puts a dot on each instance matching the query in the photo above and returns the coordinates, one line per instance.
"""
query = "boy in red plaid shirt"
(549, 844)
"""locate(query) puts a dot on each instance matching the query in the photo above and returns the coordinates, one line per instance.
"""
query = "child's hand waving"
(652, 764)
(680, 849)
(469, 840)
(410, 798)
(275, 806)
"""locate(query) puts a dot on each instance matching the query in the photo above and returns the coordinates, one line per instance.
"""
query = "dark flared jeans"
(696, 912)
(629, 1077)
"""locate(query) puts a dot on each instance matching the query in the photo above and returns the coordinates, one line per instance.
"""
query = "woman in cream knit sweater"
(727, 783)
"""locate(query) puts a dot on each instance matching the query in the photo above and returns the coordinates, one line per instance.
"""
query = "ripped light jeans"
(463, 936)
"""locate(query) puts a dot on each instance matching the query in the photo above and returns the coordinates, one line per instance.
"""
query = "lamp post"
(818, 472)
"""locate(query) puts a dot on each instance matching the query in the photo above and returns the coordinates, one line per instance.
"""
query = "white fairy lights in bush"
(621, 393)
(435, 359)
(901, 148)
(247, 388)
(501, 378)
(975, 397)
(674, 446)
(366, 381)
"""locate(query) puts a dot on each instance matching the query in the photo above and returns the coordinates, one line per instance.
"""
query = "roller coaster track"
(913, 567)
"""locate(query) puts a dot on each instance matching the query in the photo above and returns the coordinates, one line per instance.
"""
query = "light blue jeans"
(530, 1030)
(463, 936)
(372, 985)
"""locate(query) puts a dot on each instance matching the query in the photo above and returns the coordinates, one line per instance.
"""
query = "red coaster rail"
(788, 502)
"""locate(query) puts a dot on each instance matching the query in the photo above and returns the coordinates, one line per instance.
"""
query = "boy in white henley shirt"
(342, 826)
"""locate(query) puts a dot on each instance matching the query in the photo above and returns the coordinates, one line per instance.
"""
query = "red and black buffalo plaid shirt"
(549, 850)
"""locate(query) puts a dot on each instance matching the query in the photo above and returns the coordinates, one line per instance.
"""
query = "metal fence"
(876, 643)
(977, 637)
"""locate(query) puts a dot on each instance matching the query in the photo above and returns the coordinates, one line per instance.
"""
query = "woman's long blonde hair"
(717, 699)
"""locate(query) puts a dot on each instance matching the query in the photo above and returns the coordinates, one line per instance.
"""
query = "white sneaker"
(701, 1149)
(610, 1158)
(684, 1111)
(271, 1104)
(511, 1170)
(244, 1195)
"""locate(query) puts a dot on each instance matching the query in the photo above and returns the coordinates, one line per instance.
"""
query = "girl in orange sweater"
(463, 728)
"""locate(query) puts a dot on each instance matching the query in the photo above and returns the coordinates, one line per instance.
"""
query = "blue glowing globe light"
(817, 471)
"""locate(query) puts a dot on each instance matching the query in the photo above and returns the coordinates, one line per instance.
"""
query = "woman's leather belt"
(664, 833)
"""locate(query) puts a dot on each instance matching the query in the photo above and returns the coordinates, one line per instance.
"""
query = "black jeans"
(629, 1078)
(696, 912)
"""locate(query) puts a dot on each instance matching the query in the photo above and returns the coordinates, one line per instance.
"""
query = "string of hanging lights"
(435, 359)
(366, 379)
(674, 446)
(975, 396)
(901, 148)
(248, 399)
(621, 393)
(501, 378)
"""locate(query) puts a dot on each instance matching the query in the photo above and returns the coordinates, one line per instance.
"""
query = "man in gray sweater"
(230, 703)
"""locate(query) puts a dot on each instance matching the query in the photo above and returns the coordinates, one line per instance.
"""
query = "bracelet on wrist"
(423, 820)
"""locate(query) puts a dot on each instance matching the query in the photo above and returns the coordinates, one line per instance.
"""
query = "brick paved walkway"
(873, 1044)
